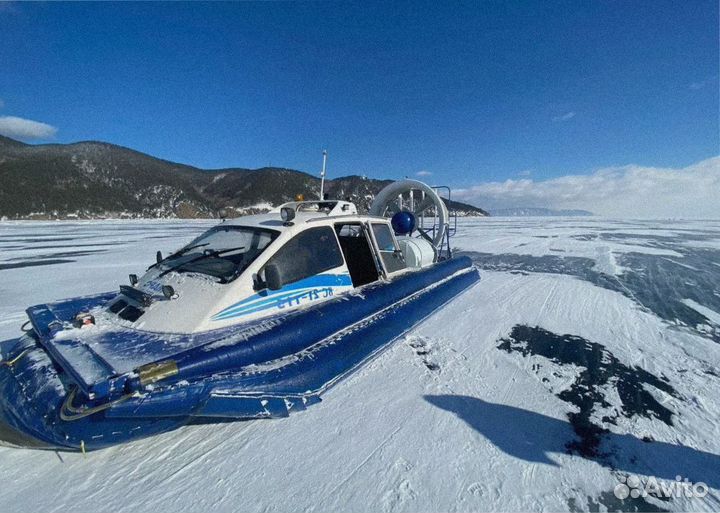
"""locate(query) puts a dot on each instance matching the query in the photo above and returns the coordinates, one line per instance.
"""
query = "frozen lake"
(588, 353)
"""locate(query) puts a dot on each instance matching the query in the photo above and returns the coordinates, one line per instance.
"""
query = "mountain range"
(537, 212)
(100, 180)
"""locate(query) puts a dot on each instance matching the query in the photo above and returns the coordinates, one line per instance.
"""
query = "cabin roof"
(272, 220)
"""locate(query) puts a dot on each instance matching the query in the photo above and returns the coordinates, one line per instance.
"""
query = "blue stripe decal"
(314, 287)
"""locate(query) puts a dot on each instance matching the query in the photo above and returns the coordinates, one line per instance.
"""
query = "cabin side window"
(391, 256)
(309, 253)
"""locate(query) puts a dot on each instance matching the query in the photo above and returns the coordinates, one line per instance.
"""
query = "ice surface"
(703, 310)
(446, 419)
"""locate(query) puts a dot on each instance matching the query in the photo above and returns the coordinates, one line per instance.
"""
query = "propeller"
(418, 198)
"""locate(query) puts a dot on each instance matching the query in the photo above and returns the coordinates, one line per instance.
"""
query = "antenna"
(322, 176)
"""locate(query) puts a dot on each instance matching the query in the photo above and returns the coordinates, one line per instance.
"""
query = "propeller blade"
(392, 207)
(424, 235)
(424, 205)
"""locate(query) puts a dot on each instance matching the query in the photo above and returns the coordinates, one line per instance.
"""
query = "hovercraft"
(255, 318)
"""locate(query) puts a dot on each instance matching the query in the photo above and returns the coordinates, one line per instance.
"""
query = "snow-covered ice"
(589, 351)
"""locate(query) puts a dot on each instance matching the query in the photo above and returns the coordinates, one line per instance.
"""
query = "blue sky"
(471, 92)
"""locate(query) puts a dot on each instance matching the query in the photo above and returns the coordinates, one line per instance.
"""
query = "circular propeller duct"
(419, 199)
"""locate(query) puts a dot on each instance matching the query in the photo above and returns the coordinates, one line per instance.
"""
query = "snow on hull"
(449, 419)
(330, 341)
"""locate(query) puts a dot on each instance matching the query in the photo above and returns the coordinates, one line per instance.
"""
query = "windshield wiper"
(178, 253)
(185, 250)
(205, 254)
(216, 252)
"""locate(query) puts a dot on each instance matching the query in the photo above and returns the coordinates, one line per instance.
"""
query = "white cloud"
(630, 192)
(565, 117)
(423, 173)
(20, 128)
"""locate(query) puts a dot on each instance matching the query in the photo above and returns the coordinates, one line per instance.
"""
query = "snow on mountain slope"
(582, 357)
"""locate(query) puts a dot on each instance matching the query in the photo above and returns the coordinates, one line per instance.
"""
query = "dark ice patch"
(658, 283)
(34, 240)
(62, 246)
(661, 283)
(653, 240)
(88, 245)
(580, 267)
(601, 368)
(60, 254)
(534, 437)
(62, 257)
(585, 237)
(34, 263)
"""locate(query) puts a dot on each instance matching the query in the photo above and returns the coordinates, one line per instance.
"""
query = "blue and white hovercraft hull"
(104, 387)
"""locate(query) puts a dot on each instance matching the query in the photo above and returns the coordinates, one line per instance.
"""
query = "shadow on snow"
(533, 437)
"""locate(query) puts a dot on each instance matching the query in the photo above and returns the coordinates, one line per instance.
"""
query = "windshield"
(223, 252)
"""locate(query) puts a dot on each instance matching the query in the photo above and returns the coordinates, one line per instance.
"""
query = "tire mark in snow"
(551, 294)
(181, 470)
(528, 475)
(457, 374)
(184, 441)
(362, 463)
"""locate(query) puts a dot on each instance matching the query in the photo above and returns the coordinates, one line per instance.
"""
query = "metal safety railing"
(445, 248)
